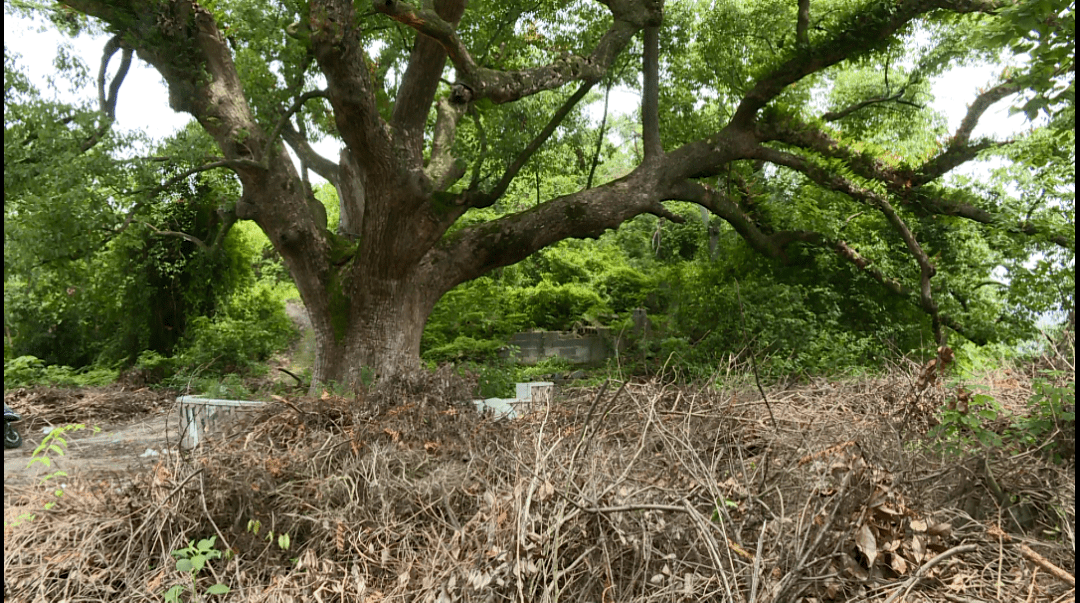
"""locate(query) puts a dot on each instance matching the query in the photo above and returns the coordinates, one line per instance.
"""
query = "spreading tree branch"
(909, 185)
(890, 98)
(864, 32)
(476, 198)
(421, 81)
(502, 87)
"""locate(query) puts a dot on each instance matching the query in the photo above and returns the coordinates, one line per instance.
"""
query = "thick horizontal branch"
(475, 250)
(770, 245)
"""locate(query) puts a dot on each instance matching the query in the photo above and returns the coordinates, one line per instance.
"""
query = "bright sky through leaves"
(144, 105)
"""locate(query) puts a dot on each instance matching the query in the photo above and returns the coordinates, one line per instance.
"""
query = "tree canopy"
(803, 129)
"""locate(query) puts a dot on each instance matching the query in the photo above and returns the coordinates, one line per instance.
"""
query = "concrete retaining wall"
(202, 417)
(586, 349)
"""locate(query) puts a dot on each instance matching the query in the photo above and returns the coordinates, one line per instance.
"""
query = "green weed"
(191, 560)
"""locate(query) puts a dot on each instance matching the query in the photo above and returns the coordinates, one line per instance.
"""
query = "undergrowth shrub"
(464, 349)
(252, 326)
(971, 420)
(26, 371)
(557, 307)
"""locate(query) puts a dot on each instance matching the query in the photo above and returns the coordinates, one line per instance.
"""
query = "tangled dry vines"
(644, 492)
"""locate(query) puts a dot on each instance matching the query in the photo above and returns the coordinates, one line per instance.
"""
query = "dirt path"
(138, 425)
(115, 449)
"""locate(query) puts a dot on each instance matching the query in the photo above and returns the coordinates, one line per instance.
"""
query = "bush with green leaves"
(252, 326)
(464, 349)
(963, 423)
(973, 420)
(1051, 408)
(555, 307)
(25, 371)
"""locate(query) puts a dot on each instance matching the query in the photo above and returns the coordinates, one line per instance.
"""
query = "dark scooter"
(12, 439)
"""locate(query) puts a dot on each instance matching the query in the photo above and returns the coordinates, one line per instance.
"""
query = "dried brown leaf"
(864, 539)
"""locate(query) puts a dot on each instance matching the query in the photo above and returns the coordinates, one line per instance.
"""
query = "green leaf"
(217, 589)
(173, 594)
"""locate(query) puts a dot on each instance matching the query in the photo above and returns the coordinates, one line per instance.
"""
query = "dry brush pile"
(631, 492)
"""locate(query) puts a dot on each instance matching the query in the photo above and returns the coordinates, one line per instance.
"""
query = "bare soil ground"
(643, 491)
(121, 425)
(126, 427)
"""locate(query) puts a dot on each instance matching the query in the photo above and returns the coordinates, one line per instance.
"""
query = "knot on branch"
(461, 94)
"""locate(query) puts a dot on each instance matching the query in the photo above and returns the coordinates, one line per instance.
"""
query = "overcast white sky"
(143, 103)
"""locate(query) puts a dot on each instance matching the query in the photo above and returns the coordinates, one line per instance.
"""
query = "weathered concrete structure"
(591, 348)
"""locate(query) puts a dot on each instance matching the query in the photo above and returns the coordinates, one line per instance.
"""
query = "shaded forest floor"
(641, 491)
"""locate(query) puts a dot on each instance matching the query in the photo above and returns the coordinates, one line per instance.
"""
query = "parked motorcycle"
(12, 439)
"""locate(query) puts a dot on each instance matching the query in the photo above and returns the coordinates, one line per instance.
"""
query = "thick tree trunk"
(376, 333)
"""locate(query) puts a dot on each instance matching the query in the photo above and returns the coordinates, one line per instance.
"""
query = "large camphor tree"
(730, 91)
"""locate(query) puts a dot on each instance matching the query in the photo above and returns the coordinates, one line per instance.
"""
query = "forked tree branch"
(107, 102)
(476, 198)
(300, 145)
(502, 87)
(285, 118)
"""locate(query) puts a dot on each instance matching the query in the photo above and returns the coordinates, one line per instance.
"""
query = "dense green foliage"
(97, 274)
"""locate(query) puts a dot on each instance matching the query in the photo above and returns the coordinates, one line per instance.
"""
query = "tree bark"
(370, 288)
